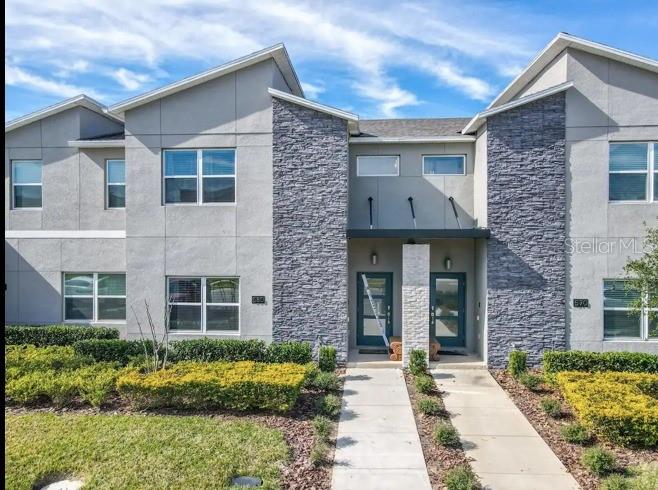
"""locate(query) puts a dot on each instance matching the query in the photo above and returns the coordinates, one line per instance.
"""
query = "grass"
(139, 451)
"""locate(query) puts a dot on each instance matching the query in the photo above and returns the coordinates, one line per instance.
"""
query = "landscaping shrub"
(297, 352)
(327, 358)
(325, 381)
(55, 334)
(214, 350)
(531, 381)
(424, 384)
(322, 427)
(599, 461)
(638, 362)
(239, 385)
(551, 406)
(112, 350)
(518, 363)
(23, 359)
(576, 434)
(616, 482)
(417, 362)
(614, 405)
(644, 476)
(319, 453)
(461, 478)
(446, 435)
(427, 406)
(330, 405)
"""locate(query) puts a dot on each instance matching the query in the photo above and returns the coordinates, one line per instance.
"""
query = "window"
(26, 178)
(444, 165)
(94, 297)
(632, 172)
(204, 304)
(619, 320)
(115, 171)
(378, 166)
(199, 176)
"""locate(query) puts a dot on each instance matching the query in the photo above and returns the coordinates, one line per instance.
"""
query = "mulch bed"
(549, 428)
(295, 425)
(438, 459)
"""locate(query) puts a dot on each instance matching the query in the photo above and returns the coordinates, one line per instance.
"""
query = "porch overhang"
(420, 234)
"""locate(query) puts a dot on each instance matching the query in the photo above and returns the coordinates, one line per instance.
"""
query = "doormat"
(451, 353)
(373, 351)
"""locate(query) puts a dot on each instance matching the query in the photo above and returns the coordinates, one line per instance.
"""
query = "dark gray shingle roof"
(418, 128)
(105, 137)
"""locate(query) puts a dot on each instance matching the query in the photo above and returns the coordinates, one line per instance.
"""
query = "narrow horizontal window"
(26, 178)
(444, 165)
(378, 166)
(629, 173)
(116, 183)
(94, 297)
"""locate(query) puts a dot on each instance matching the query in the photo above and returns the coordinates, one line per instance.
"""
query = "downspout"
(370, 206)
(413, 214)
(454, 210)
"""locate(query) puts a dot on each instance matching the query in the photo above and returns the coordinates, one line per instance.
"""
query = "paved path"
(377, 445)
(508, 453)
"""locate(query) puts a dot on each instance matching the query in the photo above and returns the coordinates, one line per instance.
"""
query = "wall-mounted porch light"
(373, 258)
(447, 262)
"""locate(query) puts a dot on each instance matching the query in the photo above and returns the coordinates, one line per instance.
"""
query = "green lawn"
(139, 451)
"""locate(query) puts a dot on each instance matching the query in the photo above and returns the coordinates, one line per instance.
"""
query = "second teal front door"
(448, 308)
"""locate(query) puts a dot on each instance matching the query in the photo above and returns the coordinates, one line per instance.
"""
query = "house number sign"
(258, 300)
(581, 303)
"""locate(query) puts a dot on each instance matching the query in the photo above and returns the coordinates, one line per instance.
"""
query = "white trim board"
(65, 234)
(97, 143)
(412, 139)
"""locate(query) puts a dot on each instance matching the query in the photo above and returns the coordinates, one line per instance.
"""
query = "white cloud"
(16, 76)
(129, 79)
(68, 69)
(312, 90)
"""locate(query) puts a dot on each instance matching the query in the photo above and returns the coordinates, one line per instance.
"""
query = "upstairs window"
(378, 166)
(199, 176)
(115, 172)
(632, 172)
(620, 320)
(26, 178)
(444, 165)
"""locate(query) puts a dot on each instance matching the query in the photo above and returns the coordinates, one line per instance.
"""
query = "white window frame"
(108, 184)
(14, 184)
(644, 319)
(199, 177)
(203, 306)
(650, 169)
(94, 296)
(366, 157)
(462, 156)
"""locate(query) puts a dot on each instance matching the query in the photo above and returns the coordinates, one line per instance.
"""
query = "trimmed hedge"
(517, 363)
(616, 406)
(636, 362)
(296, 352)
(112, 350)
(55, 334)
(23, 359)
(327, 358)
(239, 385)
(211, 350)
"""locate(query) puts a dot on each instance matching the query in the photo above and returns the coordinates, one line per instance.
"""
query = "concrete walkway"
(377, 444)
(507, 451)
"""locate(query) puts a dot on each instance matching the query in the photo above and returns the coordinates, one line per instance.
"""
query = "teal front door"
(448, 308)
(381, 290)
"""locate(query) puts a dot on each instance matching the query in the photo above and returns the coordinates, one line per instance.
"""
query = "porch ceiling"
(418, 233)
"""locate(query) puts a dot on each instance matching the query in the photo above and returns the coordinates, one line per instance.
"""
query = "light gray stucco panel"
(252, 101)
(460, 188)
(200, 256)
(145, 215)
(587, 133)
(200, 221)
(93, 124)
(205, 108)
(24, 137)
(587, 101)
(587, 269)
(25, 219)
(94, 255)
(254, 268)
(628, 220)
(630, 346)
(144, 119)
(254, 191)
(360, 190)
(11, 254)
(198, 140)
(143, 141)
(25, 154)
(263, 139)
(61, 191)
(93, 212)
(36, 254)
(57, 130)
(633, 133)
(633, 95)
(11, 296)
(40, 297)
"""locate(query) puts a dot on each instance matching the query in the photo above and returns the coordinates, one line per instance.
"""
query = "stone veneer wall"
(526, 206)
(415, 299)
(310, 159)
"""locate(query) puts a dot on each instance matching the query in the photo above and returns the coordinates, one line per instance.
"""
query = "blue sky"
(378, 59)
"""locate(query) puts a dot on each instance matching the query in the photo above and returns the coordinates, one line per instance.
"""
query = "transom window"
(94, 297)
(199, 176)
(620, 321)
(26, 179)
(378, 166)
(115, 172)
(633, 172)
(444, 165)
(204, 304)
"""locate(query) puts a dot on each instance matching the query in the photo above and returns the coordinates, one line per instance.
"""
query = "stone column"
(415, 299)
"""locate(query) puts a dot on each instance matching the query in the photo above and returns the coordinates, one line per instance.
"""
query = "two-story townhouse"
(235, 207)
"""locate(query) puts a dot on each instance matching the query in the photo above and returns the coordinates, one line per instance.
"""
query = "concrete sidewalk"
(377, 444)
(507, 452)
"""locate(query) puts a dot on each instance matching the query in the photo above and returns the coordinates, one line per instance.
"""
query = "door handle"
(388, 314)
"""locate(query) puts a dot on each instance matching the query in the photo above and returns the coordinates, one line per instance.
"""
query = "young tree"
(643, 277)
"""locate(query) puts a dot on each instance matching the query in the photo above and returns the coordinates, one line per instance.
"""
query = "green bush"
(461, 478)
(214, 350)
(297, 352)
(599, 461)
(327, 358)
(638, 362)
(112, 350)
(531, 381)
(417, 362)
(330, 405)
(424, 384)
(319, 453)
(241, 385)
(576, 434)
(427, 406)
(322, 427)
(518, 363)
(44, 335)
(22, 359)
(446, 435)
(616, 482)
(551, 406)
(644, 476)
(325, 381)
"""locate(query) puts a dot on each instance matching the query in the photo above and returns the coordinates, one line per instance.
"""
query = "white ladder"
(382, 330)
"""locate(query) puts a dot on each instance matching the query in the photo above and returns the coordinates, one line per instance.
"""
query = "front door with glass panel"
(448, 308)
(381, 289)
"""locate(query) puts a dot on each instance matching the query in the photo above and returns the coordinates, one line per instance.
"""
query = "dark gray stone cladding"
(310, 159)
(526, 206)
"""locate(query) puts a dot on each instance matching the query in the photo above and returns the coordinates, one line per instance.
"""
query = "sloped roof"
(411, 130)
